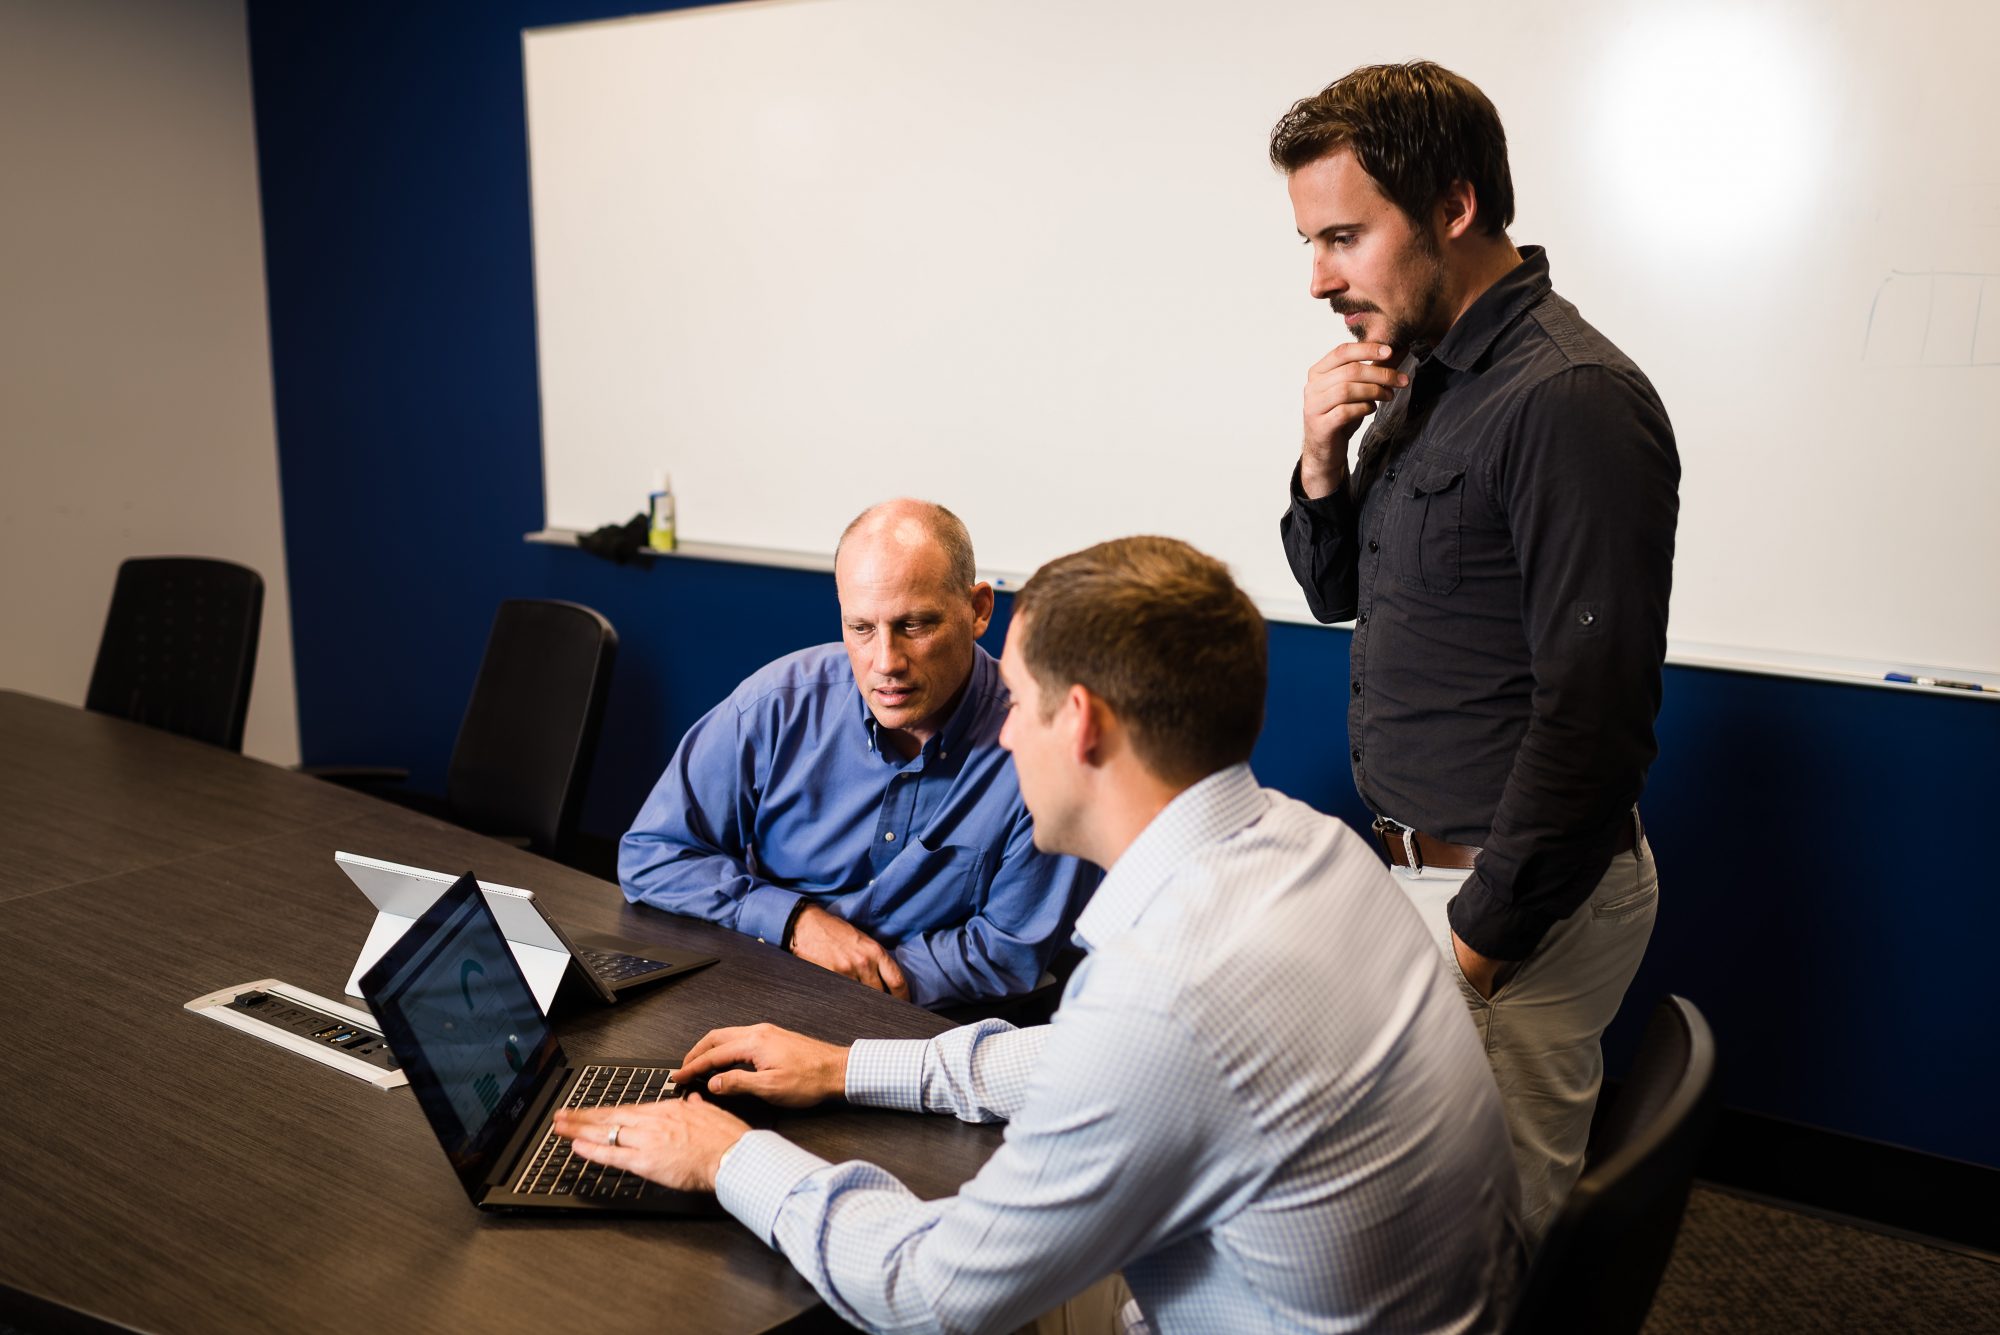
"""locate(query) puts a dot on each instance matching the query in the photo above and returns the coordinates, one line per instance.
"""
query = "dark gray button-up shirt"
(1505, 548)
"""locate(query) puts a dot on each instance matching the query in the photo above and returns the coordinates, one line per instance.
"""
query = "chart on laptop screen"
(477, 1025)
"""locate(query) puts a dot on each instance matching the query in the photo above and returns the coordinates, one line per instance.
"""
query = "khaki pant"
(1541, 1028)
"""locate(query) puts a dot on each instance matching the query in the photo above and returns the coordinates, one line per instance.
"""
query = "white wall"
(135, 386)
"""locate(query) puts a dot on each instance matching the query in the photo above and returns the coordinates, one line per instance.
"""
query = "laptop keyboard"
(554, 1171)
(615, 966)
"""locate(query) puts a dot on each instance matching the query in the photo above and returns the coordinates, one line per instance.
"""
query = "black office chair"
(524, 751)
(1602, 1259)
(179, 647)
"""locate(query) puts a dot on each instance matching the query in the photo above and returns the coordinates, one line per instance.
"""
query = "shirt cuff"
(1322, 507)
(887, 1073)
(927, 983)
(758, 1175)
(765, 912)
(1493, 927)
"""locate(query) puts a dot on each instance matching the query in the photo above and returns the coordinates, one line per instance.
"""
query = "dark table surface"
(169, 1173)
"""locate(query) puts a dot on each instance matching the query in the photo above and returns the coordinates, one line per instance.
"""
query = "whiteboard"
(1029, 260)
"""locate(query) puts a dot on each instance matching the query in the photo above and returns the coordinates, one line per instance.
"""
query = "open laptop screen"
(460, 1017)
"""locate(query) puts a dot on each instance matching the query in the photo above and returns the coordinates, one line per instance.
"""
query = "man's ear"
(1457, 210)
(1082, 708)
(982, 608)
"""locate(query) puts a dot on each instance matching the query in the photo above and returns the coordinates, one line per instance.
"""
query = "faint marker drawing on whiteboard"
(1935, 319)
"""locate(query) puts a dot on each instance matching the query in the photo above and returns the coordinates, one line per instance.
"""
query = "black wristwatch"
(792, 922)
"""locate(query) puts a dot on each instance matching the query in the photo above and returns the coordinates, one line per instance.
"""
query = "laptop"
(606, 965)
(489, 1074)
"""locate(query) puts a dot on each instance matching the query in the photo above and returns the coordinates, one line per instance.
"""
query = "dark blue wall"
(1827, 899)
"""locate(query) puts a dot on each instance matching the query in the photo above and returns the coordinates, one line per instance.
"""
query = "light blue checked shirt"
(1261, 1099)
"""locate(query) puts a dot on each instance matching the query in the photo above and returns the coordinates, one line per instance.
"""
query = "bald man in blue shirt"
(851, 802)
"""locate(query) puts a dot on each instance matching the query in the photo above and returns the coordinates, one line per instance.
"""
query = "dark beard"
(1427, 323)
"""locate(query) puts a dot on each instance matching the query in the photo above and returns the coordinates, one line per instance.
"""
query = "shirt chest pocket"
(926, 887)
(1432, 526)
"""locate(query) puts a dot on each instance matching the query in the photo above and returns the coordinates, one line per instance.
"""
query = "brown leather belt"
(1415, 849)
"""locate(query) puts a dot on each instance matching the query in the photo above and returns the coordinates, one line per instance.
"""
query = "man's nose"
(1327, 280)
(889, 656)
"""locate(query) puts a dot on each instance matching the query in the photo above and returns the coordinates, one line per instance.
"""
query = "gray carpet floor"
(1742, 1266)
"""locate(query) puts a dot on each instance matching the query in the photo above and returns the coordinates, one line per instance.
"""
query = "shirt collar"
(964, 715)
(1211, 810)
(1497, 308)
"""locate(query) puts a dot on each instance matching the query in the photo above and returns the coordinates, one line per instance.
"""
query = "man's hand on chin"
(833, 943)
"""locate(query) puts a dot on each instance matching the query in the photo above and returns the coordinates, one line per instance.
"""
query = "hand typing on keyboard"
(677, 1143)
(777, 1065)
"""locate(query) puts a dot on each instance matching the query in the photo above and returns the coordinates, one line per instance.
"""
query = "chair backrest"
(530, 732)
(180, 647)
(1602, 1259)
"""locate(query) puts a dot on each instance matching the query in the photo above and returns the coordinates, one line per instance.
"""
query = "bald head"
(909, 525)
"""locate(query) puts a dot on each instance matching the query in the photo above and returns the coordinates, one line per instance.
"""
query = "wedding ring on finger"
(612, 1139)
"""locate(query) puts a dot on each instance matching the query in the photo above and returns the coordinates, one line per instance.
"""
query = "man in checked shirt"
(1259, 1100)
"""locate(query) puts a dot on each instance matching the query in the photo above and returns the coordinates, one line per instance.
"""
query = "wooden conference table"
(164, 1172)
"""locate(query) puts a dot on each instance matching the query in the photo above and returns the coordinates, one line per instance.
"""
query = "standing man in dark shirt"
(1504, 545)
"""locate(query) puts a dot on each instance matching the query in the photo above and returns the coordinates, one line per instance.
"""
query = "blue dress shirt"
(1260, 1100)
(781, 793)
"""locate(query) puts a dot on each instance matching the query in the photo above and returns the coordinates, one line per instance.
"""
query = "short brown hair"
(1161, 633)
(1415, 129)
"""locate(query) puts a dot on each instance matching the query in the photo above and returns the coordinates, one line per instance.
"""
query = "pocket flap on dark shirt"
(1430, 479)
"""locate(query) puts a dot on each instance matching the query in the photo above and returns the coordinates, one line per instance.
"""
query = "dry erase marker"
(1934, 681)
